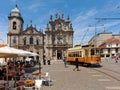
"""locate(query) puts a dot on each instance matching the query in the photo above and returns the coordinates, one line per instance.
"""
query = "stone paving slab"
(85, 79)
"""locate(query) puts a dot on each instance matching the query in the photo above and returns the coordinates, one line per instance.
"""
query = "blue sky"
(82, 15)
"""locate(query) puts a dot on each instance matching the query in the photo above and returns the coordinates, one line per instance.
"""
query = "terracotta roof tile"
(111, 40)
(3, 45)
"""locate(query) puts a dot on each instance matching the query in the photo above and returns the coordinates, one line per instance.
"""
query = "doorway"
(59, 54)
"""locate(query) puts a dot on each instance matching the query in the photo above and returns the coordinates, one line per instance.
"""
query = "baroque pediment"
(31, 30)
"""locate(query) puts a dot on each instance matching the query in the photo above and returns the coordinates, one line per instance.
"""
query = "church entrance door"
(59, 54)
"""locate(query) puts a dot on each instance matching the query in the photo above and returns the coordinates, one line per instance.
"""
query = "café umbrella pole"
(39, 70)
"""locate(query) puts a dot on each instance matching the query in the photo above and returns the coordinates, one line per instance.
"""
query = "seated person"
(1, 74)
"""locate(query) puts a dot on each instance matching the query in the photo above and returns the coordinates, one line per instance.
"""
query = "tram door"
(86, 55)
(59, 54)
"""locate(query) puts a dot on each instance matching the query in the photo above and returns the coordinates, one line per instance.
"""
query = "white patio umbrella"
(13, 52)
(6, 52)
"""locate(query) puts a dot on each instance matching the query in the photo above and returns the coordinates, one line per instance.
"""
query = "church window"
(31, 40)
(24, 41)
(37, 42)
(14, 25)
(14, 40)
(59, 40)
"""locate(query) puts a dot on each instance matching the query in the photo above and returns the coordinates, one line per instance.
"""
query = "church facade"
(53, 43)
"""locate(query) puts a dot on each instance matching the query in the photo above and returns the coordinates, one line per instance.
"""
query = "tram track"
(111, 73)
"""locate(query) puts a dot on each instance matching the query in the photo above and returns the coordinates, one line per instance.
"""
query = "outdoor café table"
(2, 87)
(20, 83)
(42, 74)
(29, 82)
(3, 82)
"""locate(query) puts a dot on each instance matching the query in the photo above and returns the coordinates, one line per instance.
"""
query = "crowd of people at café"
(14, 71)
(13, 75)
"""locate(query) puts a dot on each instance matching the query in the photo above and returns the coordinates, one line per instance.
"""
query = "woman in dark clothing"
(76, 65)
(1, 74)
(44, 60)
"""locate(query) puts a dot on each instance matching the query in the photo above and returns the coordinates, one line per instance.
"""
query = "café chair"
(28, 88)
(38, 84)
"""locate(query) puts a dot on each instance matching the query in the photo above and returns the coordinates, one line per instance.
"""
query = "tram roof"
(74, 48)
(80, 47)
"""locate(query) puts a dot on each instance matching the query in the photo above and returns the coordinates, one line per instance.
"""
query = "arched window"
(37, 42)
(14, 25)
(31, 40)
(14, 40)
(24, 41)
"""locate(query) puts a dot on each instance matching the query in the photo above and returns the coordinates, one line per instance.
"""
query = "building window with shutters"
(117, 44)
(109, 50)
(14, 25)
(116, 50)
(31, 40)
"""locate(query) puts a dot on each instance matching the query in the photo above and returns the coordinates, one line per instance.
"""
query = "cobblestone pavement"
(85, 79)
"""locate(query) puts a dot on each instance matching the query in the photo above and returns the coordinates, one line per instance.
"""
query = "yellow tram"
(86, 54)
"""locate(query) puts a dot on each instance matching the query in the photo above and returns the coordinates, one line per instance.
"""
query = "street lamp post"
(39, 70)
(42, 56)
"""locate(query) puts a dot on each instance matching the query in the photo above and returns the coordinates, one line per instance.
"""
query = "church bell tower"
(15, 21)
(15, 26)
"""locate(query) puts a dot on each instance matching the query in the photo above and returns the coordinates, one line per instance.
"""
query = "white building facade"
(108, 42)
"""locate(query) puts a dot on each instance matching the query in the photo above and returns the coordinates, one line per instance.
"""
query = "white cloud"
(3, 29)
(85, 18)
(80, 24)
(112, 23)
(36, 6)
(3, 33)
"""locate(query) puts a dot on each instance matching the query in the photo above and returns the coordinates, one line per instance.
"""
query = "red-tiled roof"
(3, 45)
(111, 40)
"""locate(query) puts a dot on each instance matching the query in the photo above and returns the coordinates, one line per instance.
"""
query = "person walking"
(44, 60)
(48, 60)
(116, 57)
(64, 61)
(76, 65)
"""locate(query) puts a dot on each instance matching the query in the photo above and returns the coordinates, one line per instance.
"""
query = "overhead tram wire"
(101, 19)
(84, 36)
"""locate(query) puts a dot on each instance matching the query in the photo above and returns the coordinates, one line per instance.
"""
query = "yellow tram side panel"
(72, 59)
(92, 59)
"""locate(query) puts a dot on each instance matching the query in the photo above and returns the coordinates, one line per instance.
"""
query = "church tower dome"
(15, 12)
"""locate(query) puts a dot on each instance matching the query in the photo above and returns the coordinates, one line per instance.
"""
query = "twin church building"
(53, 43)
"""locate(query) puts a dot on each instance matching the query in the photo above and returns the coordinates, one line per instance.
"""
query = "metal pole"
(39, 70)
(43, 55)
